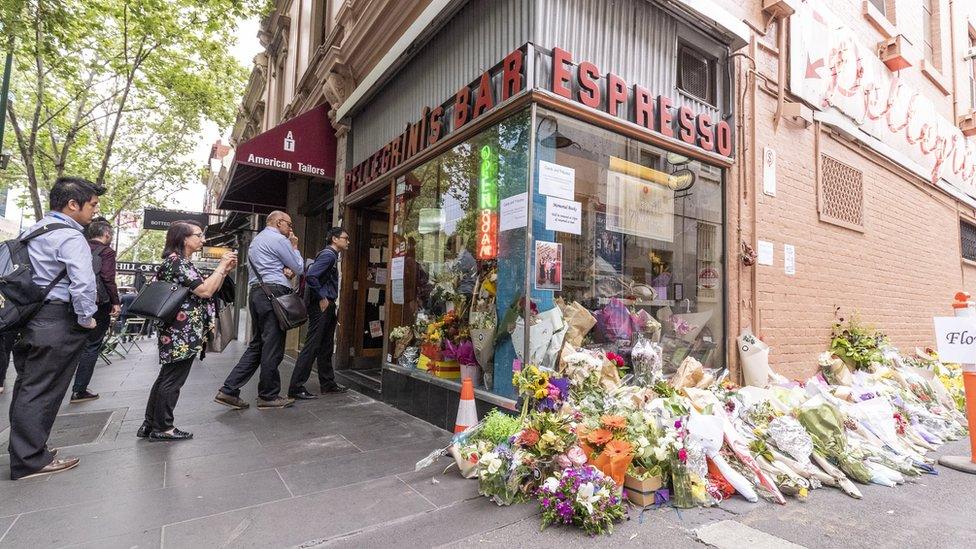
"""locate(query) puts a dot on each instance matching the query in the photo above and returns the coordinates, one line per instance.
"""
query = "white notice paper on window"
(765, 253)
(381, 276)
(396, 269)
(373, 295)
(789, 259)
(374, 255)
(514, 212)
(396, 287)
(556, 180)
(565, 216)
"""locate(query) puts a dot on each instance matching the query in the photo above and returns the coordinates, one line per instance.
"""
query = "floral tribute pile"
(588, 440)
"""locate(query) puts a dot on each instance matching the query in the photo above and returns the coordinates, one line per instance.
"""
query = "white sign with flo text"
(955, 337)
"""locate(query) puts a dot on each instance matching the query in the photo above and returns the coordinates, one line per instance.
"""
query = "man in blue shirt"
(272, 250)
(322, 291)
(47, 352)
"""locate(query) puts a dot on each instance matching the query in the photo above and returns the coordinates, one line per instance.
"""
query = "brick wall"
(897, 274)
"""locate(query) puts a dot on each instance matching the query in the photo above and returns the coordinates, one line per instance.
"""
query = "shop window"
(624, 230)
(880, 4)
(462, 260)
(930, 31)
(696, 73)
(967, 233)
(841, 193)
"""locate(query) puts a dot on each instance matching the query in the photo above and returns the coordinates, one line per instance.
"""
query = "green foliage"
(496, 427)
(859, 347)
(147, 247)
(117, 91)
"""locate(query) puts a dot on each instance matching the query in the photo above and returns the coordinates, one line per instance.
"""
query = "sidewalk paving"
(338, 471)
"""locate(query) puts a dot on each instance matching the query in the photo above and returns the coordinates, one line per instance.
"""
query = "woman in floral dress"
(182, 340)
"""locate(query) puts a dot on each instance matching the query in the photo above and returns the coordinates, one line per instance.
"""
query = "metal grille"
(841, 193)
(694, 73)
(967, 232)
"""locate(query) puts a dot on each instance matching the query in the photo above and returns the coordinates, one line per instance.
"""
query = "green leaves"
(118, 91)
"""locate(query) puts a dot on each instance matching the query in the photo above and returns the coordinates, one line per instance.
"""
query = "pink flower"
(164, 340)
(683, 455)
(563, 461)
(181, 316)
(577, 456)
(677, 424)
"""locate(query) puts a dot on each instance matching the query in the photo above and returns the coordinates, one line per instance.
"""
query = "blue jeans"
(89, 353)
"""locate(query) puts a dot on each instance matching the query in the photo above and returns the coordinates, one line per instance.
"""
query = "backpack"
(102, 291)
(20, 297)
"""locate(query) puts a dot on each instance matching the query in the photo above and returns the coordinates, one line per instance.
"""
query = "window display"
(459, 257)
(628, 246)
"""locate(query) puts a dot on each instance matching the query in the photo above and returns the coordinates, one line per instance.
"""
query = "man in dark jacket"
(323, 289)
(99, 235)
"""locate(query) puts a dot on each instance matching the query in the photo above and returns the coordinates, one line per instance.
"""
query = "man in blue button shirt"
(272, 250)
(323, 289)
(47, 351)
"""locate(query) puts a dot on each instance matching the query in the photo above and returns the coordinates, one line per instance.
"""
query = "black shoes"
(301, 394)
(177, 434)
(334, 388)
(143, 431)
(83, 396)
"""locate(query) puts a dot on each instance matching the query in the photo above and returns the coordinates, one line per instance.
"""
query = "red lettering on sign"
(616, 93)
(587, 77)
(462, 110)
(643, 111)
(512, 80)
(413, 143)
(385, 159)
(560, 74)
(686, 125)
(485, 100)
(664, 118)
(723, 138)
(436, 125)
(706, 134)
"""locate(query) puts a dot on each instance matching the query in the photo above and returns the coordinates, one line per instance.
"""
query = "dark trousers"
(265, 351)
(6, 347)
(319, 341)
(45, 357)
(165, 393)
(89, 352)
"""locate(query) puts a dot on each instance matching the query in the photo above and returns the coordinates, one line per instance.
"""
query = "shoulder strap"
(45, 229)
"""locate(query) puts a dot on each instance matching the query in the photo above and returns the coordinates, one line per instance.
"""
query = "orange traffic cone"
(467, 415)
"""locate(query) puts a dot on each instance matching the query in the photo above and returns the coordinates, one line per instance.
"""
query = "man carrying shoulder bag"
(272, 250)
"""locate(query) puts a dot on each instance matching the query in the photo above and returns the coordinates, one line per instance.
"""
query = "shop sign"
(955, 338)
(585, 84)
(487, 235)
(161, 219)
(582, 83)
(639, 201)
(831, 69)
(131, 267)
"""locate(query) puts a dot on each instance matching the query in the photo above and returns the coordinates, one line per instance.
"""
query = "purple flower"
(562, 384)
(677, 424)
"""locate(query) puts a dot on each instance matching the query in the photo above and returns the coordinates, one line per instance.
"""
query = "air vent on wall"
(841, 194)
(696, 73)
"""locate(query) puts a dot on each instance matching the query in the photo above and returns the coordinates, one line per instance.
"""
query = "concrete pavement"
(338, 471)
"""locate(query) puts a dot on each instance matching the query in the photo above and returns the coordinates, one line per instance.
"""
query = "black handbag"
(290, 308)
(160, 300)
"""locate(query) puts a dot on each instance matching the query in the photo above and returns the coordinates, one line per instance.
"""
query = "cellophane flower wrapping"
(826, 427)
(647, 360)
(581, 496)
(790, 437)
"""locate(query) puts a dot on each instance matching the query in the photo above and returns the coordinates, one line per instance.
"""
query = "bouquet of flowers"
(502, 475)
(606, 446)
(401, 336)
(547, 435)
(859, 347)
(581, 496)
(496, 428)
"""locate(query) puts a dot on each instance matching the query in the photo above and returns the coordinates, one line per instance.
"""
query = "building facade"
(673, 171)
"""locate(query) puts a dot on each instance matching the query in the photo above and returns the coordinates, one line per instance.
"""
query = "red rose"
(164, 340)
(181, 316)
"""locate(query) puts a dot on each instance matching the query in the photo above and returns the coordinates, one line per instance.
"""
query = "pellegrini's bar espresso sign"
(582, 83)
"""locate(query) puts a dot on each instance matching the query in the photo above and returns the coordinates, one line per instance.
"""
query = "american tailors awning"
(304, 145)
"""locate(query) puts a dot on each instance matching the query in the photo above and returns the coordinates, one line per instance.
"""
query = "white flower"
(642, 441)
(660, 453)
(491, 462)
(551, 484)
(585, 496)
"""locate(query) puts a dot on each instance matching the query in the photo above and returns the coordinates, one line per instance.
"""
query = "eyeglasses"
(343, 237)
(290, 225)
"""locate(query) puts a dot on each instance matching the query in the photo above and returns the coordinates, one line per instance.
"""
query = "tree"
(117, 91)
